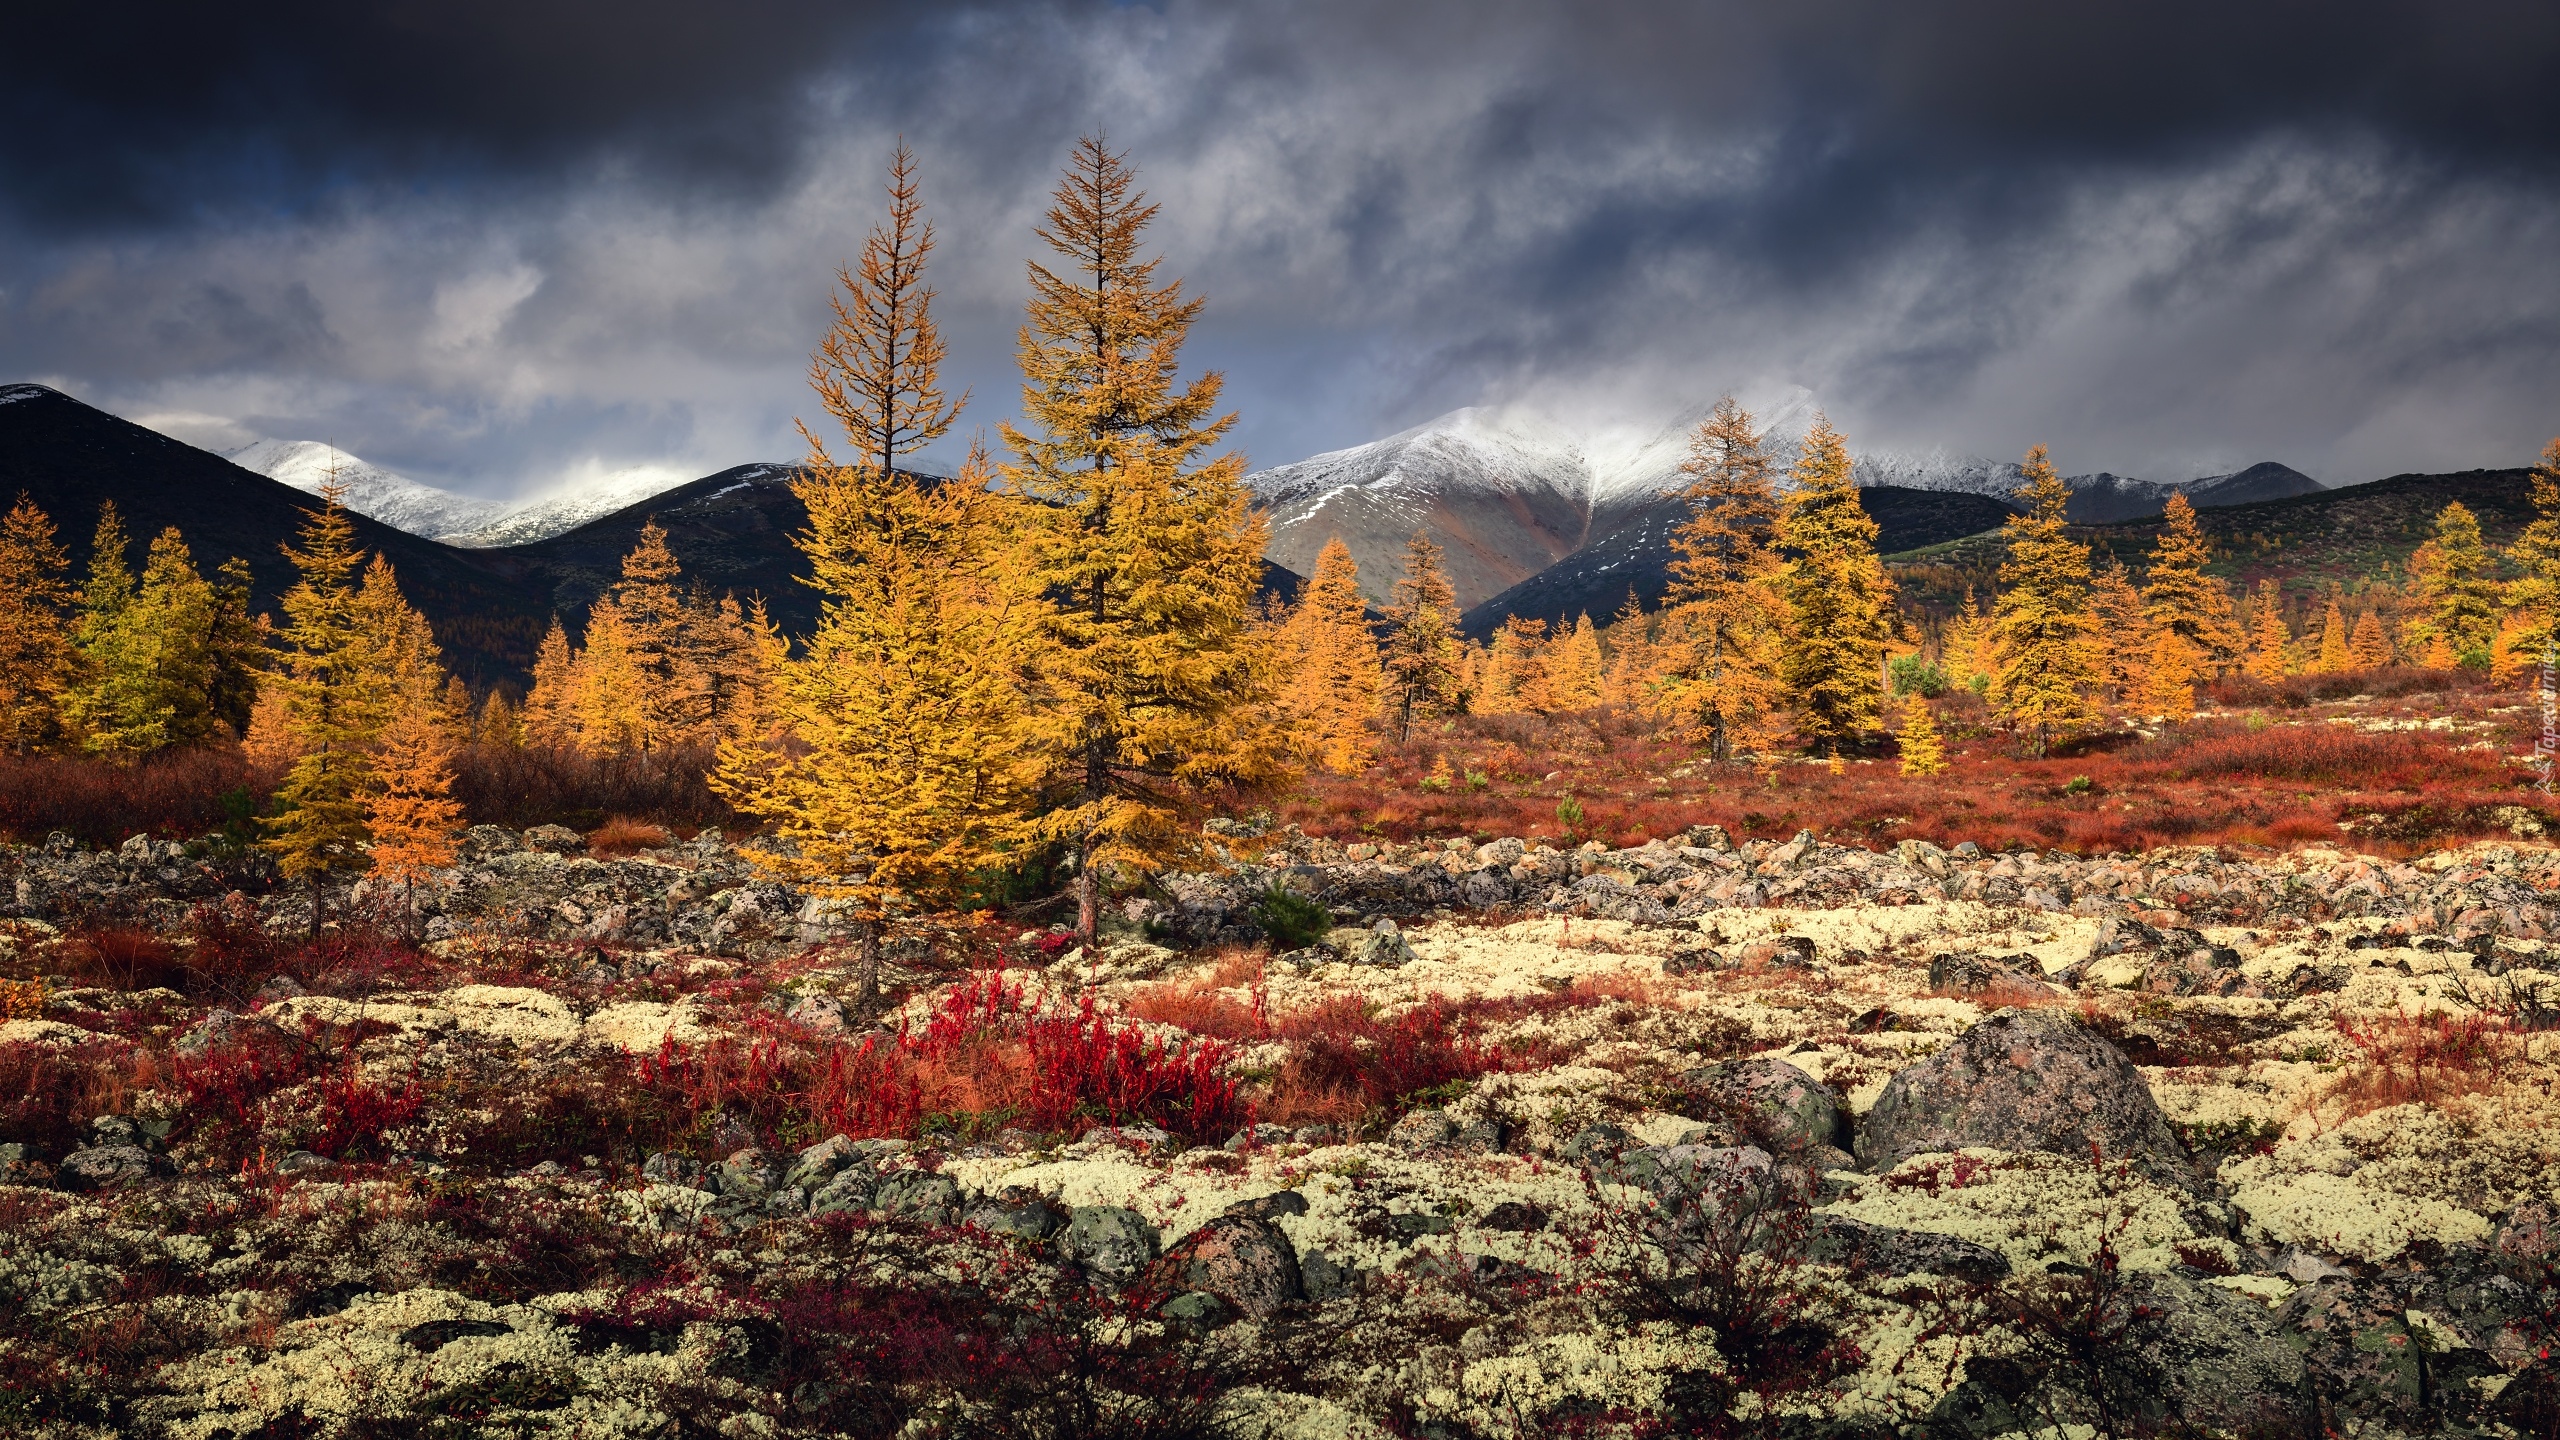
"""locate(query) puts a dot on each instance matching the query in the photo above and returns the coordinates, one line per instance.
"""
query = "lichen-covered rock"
(1109, 1240)
(1021, 1213)
(2025, 1080)
(925, 1196)
(2369, 1357)
(1859, 1247)
(1422, 1130)
(1771, 1104)
(1243, 1260)
(99, 1167)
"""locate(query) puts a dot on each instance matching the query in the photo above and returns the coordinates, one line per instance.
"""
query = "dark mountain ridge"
(732, 533)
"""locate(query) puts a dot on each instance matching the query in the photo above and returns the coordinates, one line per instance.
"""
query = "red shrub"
(121, 959)
(354, 1114)
(623, 835)
(177, 793)
(1345, 1061)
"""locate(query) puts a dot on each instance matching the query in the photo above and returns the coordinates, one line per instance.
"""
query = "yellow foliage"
(2334, 658)
(2452, 575)
(1574, 666)
(2124, 631)
(2049, 650)
(410, 810)
(2169, 689)
(2534, 595)
(2369, 647)
(2268, 636)
(1145, 550)
(1722, 649)
(1839, 601)
(1426, 659)
(1923, 753)
(898, 768)
(1332, 662)
(37, 661)
(2178, 595)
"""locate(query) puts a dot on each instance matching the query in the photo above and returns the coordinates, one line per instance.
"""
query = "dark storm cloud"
(486, 240)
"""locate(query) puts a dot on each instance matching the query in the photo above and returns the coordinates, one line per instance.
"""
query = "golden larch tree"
(2124, 631)
(410, 812)
(1425, 654)
(2453, 577)
(38, 662)
(326, 682)
(1923, 753)
(1331, 694)
(550, 707)
(1631, 675)
(2169, 686)
(2268, 635)
(1574, 667)
(2369, 646)
(1516, 676)
(2178, 595)
(1839, 601)
(1965, 649)
(2534, 595)
(2333, 658)
(1723, 646)
(900, 770)
(2050, 653)
(1153, 674)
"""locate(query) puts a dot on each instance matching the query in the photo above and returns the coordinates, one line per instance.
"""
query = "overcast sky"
(493, 243)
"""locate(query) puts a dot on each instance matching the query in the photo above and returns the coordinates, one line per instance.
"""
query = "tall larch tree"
(2454, 580)
(38, 662)
(2369, 647)
(327, 683)
(2177, 595)
(2050, 654)
(1331, 695)
(1153, 674)
(2269, 638)
(550, 720)
(1633, 672)
(901, 770)
(1425, 654)
(410, 813)
(2169, 685)
(1574, 667)
(2534, 595)
(1839, 601)
(149, 678)
(1516, 679)
(1965, 650)
(2333, 658)
(1723, 645)
(2124, 633)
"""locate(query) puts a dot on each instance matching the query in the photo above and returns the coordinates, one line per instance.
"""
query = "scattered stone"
(434, 1335)
(1109, 1240)
(751, 1175)
(1271, 1206)
(927, 1197)
(668, 1168)
(1859, 1247)
(100, 1167)
(1772, 1104)
(554, 839)
(303, 1162)
(1422, 1130)
(1022, 1213)
(1242, 1259)
(2025, 1080)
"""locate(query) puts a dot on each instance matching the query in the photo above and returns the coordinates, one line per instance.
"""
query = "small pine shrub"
(1912, 675)
(1291, 920)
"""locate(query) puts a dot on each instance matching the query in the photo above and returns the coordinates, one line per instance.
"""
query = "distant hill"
(489, 607)
(1637, 555)
(2347, 535)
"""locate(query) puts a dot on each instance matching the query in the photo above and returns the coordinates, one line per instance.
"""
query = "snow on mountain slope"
(1506, 494)
(372, 491)
(434, 514)
(568, 507)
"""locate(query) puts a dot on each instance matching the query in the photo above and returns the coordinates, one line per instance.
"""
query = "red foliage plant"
(2425, 1059)
(984, 1055)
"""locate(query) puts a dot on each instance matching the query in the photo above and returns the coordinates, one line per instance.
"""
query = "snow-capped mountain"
(436, 514)
(1508, 493)
(1505, 494)
(373, 492)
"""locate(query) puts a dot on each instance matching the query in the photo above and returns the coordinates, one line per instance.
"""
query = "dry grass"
(2427, 1059)
(2279, 776)
(623, 835)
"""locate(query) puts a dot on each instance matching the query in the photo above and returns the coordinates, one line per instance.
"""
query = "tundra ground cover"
(2410, 762)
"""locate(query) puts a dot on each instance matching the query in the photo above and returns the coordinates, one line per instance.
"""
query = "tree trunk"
(866, 962)
(1088, 897)
(315, 907)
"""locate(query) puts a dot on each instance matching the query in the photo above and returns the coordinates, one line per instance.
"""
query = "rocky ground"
(1779, 1138)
